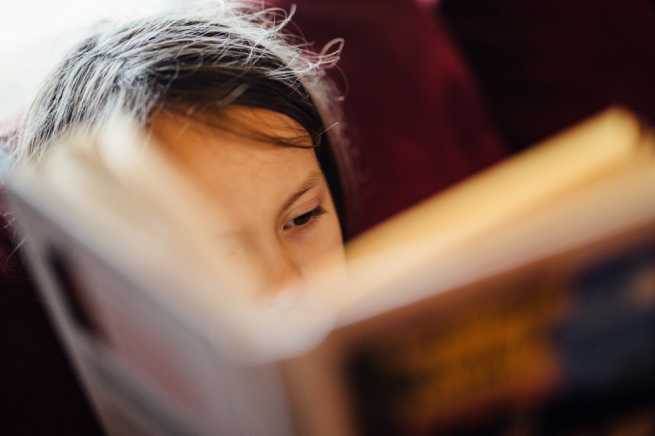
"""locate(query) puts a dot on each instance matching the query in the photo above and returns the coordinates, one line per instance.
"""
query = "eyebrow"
(311, 181)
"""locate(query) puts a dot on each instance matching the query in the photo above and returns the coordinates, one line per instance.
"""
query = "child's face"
(276, 199)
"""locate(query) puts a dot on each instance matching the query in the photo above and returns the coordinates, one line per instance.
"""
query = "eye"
(304, 219)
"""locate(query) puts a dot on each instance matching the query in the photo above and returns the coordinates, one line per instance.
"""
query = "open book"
(521, 301)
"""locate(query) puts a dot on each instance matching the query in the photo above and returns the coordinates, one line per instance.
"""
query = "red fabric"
(413, 109)
(546, 64)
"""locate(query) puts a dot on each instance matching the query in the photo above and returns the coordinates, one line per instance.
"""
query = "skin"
(276, 200)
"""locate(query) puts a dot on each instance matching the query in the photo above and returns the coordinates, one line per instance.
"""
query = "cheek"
(334, 249)
(327, 249)
(321, 247)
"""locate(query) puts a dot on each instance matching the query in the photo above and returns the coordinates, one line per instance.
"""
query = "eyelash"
(309, 216)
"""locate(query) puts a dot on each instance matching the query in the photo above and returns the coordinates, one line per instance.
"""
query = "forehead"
(228, 159)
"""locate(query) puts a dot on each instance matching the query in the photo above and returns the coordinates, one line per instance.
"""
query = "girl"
(241, 107)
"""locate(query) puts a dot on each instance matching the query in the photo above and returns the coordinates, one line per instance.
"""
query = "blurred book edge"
(500, 304)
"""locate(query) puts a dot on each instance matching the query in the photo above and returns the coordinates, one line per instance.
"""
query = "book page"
(601, 210)
(124, 200)
(603, 148)
(583, 153)
(503, 333)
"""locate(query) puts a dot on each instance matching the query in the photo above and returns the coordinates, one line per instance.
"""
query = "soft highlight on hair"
(195, 61)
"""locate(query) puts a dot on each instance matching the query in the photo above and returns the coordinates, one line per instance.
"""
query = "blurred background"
(437, 90)
(34, 34)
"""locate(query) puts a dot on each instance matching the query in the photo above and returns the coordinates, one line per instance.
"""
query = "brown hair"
(196, 62)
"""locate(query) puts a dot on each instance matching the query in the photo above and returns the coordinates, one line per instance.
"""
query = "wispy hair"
(195, 60)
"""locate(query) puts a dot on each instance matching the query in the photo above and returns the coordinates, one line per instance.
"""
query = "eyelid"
(316, 195)
(310, 200)
(315, 212)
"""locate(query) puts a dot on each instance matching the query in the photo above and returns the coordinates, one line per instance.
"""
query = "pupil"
(302, 219)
